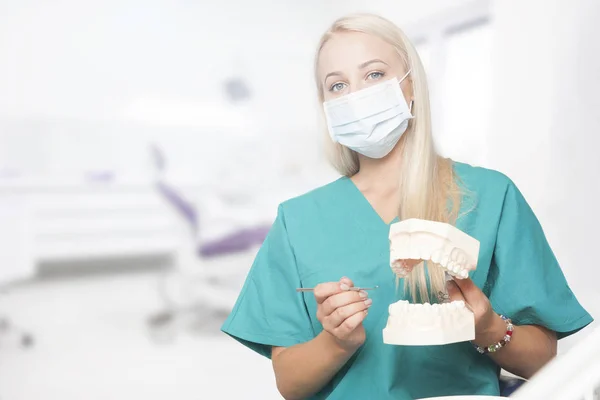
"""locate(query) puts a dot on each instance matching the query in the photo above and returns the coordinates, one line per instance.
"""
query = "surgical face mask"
(369, 121)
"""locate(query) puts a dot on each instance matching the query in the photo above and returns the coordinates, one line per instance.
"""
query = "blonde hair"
(427, 182)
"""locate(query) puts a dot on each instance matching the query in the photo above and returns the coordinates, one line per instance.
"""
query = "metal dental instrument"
(354, 289)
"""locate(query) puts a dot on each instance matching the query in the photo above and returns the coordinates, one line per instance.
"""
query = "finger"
(324, 290)
(469, 290)
(350, 324)
(340, 300)
(398, 267)
(339, 315)
(403, 267)
(346, 281)
(454, 292)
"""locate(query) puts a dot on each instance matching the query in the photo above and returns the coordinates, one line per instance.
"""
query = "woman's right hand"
(341, 312)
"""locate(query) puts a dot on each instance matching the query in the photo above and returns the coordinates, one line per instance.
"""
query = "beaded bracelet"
(497, 346)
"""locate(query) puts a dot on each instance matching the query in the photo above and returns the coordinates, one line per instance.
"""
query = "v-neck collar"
(371, 215)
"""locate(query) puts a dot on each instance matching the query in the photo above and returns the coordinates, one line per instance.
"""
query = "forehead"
(346, 50)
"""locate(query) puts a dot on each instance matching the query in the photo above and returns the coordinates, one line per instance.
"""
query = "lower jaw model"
(427, 324)
(430, 324)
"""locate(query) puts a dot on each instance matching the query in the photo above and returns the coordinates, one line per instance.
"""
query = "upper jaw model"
(443, 244)
(453, 250)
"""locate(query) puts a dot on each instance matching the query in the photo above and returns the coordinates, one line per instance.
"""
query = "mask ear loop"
(400, 81)
(405, 75)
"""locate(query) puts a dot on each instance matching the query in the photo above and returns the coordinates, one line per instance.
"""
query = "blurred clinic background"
(145, 146)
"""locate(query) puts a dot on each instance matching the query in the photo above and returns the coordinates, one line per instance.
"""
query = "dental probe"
(354, 289)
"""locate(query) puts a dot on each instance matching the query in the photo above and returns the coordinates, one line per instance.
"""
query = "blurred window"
(466, 95)
(456, 55)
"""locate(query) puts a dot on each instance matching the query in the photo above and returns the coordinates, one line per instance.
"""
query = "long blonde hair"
(428, 188)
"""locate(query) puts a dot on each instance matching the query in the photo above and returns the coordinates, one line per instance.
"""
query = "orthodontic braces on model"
(449, 248)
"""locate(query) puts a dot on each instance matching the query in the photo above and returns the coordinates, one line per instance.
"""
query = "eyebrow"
(335, 73)
(361, 66)
(375, 60)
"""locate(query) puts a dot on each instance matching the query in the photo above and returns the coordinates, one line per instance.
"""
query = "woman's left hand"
(489, 327)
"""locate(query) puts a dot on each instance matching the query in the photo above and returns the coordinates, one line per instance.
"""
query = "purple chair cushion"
(239, 241)
(236, 242)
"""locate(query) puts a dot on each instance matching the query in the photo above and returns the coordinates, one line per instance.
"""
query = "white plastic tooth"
(455, 265)
(415, 252)
(401, 252)
(436, 256)
(464, 274)
(450, 266)
(405, 306)
(427, 309)
(402, 244)
(395, 253)
(400, 307)
(444, 259)
(454, 253)
(399, 245)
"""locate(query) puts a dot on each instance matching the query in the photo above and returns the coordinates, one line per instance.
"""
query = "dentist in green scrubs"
(328, 343)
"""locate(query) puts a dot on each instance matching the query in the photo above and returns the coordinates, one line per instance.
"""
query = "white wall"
(405, 13)
(546, 122)
(85, 85)
(96, 59)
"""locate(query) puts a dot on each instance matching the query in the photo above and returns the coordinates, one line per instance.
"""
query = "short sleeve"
(269, 312)
(527, 283)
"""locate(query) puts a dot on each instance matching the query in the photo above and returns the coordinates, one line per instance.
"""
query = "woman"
(328, 344)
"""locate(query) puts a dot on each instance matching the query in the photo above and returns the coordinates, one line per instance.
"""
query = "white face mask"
(369, 121)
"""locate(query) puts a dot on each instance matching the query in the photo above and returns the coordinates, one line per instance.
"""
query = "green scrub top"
(333, 232)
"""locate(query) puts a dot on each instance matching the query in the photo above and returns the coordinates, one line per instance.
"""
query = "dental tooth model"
(454, 251)
(427, 324)
(443, 244)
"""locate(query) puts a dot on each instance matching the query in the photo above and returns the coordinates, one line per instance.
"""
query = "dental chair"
(209, 273)
(18, 266)
(8, 329)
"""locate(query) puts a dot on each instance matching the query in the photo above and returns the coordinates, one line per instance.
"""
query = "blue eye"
(375, 75)
(336, 87)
